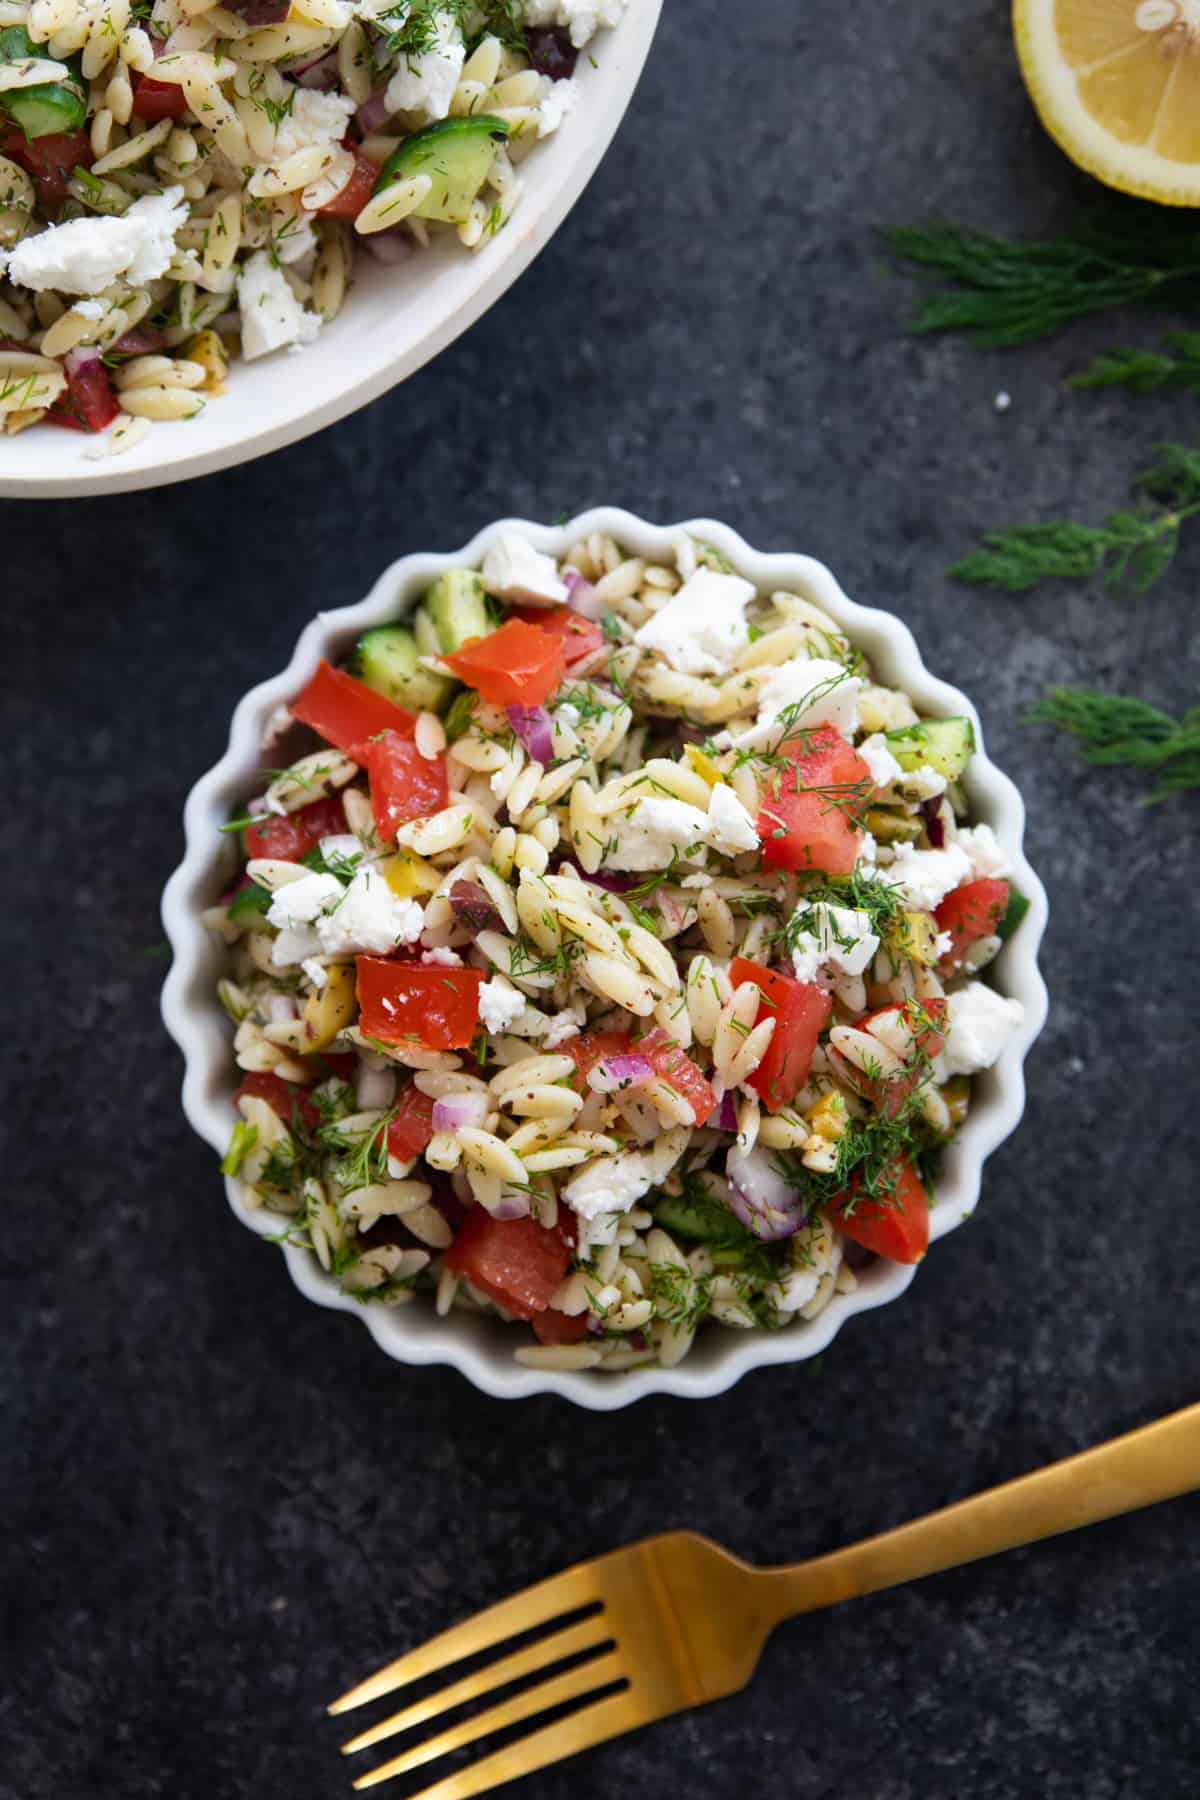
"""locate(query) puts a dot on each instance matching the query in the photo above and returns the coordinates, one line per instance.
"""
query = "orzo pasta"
(192, 182)
(611, 963)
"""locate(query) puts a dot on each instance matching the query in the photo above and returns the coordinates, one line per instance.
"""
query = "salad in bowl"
(186, 186)
(609, 956)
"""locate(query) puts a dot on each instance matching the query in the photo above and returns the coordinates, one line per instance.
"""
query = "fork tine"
(591, 1725)
(574, 1685)
(587, 1635)
(558, 1594)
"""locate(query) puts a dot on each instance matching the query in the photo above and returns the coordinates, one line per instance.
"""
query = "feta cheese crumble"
(559, 99)
(656, 830)
(318, 916)
(702, 629)
(313, 121)
(514, 570)
(805, 692)
(87, 254)
(980, 1023)
(986, 854)
(271, 314)
(883, 766)
(731, 830)
(925, 877)
(835, 941)
(582, 18)
(424, 84)
(500, 1005)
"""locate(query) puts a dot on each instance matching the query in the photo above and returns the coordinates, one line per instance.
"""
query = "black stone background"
(220, 1503)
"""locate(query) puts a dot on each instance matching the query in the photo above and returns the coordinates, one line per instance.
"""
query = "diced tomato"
(801, 1010)
(971, 912)
(591, 1047)
(51, 160)
(579, 636)
(357, 191)
(411, 1125)
(90, 401)
(283, 1097)
(292, 835)
(155, 100)
(895, 1223)
(517, 1262)
(806, 820)
(678, 1071)
(342, 1063)
(888, 1094)
(404, 784)
(403, 1002)
(346, 712)
(519, 665)
(551, 1327)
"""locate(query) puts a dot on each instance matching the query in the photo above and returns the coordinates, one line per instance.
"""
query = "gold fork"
(675, 1621)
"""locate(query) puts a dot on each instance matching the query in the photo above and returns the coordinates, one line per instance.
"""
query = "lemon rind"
(1050, 80)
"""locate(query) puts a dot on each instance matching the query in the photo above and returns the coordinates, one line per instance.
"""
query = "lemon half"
(1117, 85)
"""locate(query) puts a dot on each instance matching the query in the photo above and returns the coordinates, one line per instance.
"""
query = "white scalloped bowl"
(480, 1348)
(393, 321)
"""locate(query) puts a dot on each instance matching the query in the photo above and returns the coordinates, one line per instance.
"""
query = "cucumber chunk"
(457, 609)
(1014, 912)
(249, 901)
(676, 1213)
(456, 154)
(386, 659)
(947, 745)
(54, 106)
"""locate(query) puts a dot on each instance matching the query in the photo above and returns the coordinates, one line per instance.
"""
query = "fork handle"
(1156, 1462)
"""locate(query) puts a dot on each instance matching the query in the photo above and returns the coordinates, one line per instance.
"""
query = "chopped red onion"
(582, 596)
(931, 812)
(372, 113)
(260, 12)
(319, 74)
(551, 52)
(389, 247)
(615, 884)
(143, 340)
(761, 1198)
(456, 1112)
(82, 358)
(532, 726)
(513, 1206)
(613, 1073)
(471, 905)
(726, 1119)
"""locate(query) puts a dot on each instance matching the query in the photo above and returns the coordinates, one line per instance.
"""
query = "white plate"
(482, 1348)
(393, 322)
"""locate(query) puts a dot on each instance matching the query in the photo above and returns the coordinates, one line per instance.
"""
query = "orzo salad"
(607, 957)
(183, 183)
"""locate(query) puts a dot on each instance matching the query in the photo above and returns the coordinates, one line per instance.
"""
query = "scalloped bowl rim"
(481, 1349)
(387, 329)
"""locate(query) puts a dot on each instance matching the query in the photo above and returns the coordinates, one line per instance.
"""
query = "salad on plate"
(608, 955)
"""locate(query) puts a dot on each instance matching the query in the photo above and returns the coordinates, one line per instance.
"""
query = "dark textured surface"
(220, 1503)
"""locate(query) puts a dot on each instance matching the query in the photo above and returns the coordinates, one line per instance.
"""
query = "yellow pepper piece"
(829, 1117)
(913, 938)
(703, 765)
(207, 349)
(892, 827)
(957, 1094)
(331, 1009)
(409, 875)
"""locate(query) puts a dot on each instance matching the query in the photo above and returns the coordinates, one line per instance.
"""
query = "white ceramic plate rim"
(480, 1349)
(356, 358)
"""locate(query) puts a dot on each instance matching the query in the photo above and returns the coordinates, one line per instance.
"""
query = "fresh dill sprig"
(1012, 291)
(878, 898)
(1176, 365)
(1133, 548)
(1120, 729)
